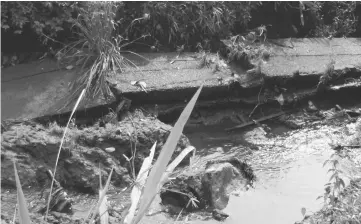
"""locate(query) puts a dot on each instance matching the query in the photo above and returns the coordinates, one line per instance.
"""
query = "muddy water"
(289, 167)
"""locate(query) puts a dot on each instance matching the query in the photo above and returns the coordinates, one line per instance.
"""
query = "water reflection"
(290, 172)
(279, 200)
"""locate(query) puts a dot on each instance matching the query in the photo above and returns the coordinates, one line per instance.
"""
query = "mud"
(34, 147)
(260, 149)
(34, 144)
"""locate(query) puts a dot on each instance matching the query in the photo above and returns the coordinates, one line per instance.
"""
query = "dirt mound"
(35, 148)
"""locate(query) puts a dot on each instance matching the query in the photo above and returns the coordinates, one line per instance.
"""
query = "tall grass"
(61, 144)
(154, 180)
(98, 52)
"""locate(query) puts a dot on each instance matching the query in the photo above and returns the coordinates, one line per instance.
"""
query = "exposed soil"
(34, 144)
(34, 147)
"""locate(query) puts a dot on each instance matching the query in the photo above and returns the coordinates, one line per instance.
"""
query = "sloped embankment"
(34, 147)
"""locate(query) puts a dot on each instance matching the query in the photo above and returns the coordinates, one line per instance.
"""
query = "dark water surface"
(289, 167)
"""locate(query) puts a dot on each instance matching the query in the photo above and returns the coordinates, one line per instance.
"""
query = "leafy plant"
(247, 53)
(46, 19)
(175, 23)
(336, 19)
(160, 172)
(98, 52)
(342, 204)
(336, 183)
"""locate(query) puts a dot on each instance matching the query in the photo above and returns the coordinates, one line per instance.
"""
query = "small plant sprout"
(103, 208)
(102, 196)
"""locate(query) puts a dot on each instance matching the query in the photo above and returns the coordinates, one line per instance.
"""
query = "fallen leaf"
(280, 99)
(140, 84)
(69, 67)
(143, 84)
(303, 211)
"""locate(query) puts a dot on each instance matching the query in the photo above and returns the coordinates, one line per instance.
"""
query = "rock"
(219, 215)
(311, 107)
(35, 148)
(221, 179)
(110, 149)
(209, 180)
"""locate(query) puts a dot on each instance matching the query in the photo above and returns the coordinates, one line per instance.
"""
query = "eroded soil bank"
(272, 150)
(242, 141)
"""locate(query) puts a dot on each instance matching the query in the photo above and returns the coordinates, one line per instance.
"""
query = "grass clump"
(246, 53)
(98, 53)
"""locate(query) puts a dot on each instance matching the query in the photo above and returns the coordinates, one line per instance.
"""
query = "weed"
(336, 183)
(100, 207)
(98, 53)
(204, 61)
(246, 53)
(341, 203)
(55, 129)
(336, 19)
(61, 144)
(160, 173)
(327, 76)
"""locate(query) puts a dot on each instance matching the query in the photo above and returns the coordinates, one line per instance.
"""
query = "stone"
(209, 180)
(219, 215)
(220, 180)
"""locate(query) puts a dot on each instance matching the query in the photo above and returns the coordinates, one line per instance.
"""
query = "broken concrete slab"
(41, 89)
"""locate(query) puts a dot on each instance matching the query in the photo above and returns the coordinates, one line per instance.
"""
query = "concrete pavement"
(40, 88)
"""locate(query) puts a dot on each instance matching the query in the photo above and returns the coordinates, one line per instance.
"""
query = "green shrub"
(46, 19)
(337, 19)
(175, 23)
(170, 24)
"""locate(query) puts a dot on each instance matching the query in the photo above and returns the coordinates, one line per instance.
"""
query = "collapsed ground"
(97, 143)
(34, 147)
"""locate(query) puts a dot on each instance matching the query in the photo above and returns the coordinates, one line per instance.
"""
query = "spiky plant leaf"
(103, 209)
(176, 162)
(102, 195)
(24, 217)
(137, 189)
(154, 179)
